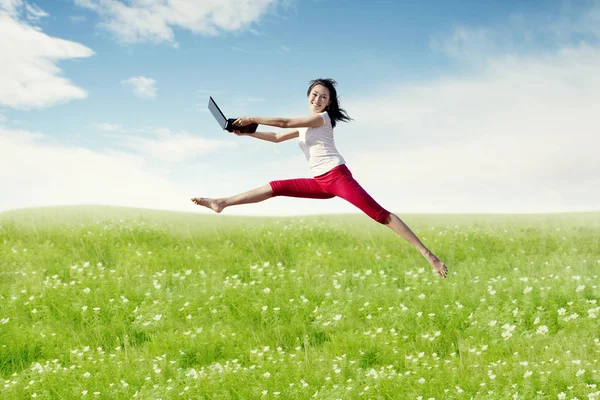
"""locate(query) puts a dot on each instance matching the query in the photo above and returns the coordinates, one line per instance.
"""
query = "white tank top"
(319, 147)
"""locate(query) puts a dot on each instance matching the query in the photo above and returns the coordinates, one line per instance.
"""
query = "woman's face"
(318, 98)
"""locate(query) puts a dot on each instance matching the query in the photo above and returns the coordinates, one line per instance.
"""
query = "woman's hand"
(243, 121)
(239, 133)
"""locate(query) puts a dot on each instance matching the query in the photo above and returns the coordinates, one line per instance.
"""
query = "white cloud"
(519, 135)
(42, 172)
(142, 86)
(105, 126)
(10, 7)
(575, 23)
(34, 13)
(466, 43)
(29, 76)
(523, 35)
(154, 20)
(173, 147)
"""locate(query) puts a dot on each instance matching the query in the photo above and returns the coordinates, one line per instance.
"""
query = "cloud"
(45, 172)
(34, 13)
(11, 7)
(576, 25)
(154, 20)
(466, 43)
(105, 126)
(522, 35)
(519, 133)
(142, 86)
(172, 146)
(29, 76)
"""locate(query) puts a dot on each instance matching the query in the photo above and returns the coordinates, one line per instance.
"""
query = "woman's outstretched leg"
(303, 187)
(398, 226)
(349, 189)
(253, 196)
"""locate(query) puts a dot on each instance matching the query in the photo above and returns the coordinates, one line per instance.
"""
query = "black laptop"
(227, 123)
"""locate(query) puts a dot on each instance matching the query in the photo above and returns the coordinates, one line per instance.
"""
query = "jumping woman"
(331, 175)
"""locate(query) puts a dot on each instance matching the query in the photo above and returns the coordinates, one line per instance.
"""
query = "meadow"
(110, 303)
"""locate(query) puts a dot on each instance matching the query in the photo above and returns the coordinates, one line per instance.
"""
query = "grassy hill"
(107, 302)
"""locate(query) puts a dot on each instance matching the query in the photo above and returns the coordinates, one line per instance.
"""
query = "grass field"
(109, 303)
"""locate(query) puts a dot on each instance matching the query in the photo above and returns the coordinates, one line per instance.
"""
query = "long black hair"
(333, 109)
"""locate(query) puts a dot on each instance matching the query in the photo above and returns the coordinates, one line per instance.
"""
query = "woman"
(331, 175)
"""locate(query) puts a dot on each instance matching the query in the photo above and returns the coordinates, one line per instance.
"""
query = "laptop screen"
(216, 112)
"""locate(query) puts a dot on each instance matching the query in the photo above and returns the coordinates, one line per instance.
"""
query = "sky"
(457, 106)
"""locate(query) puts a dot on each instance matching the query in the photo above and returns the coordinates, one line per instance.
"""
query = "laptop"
(227, 123)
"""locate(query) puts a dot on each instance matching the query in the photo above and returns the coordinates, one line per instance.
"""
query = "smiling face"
(318, 98)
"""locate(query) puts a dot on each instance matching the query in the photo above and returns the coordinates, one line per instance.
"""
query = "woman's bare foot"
(438, 266)
(215, 204)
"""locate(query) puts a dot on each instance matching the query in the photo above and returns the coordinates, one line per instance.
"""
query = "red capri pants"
(337, 182)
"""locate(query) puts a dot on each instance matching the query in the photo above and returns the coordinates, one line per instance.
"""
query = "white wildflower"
(542, 330)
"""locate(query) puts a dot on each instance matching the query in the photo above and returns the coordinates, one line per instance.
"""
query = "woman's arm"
(287, 135)
(268, 136)
(311, 121)
(272, 136)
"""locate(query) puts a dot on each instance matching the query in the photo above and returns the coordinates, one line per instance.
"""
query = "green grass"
(110, 303)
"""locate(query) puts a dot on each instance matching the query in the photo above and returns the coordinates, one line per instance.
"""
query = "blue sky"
(459, 106)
